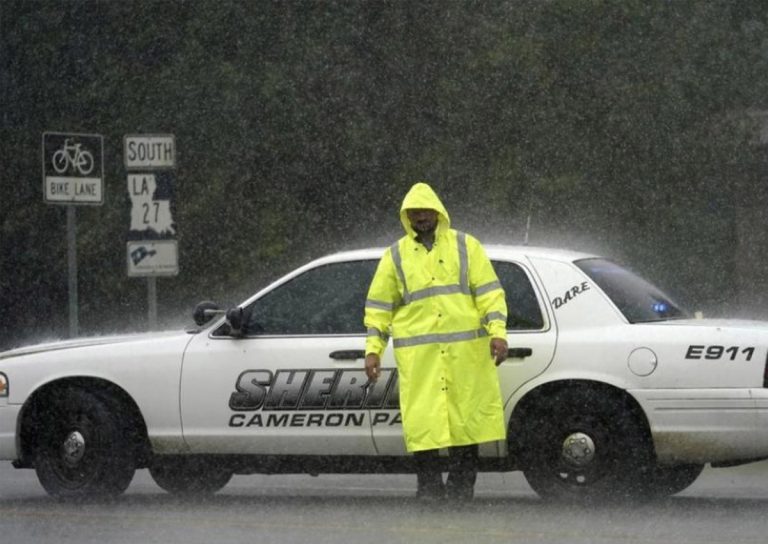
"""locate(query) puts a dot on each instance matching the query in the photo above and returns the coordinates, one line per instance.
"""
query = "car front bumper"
(9, 415)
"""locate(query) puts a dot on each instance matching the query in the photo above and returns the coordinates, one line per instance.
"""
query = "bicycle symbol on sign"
(71, 155)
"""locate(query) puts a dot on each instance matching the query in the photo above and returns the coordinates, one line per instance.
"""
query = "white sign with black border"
(73, 168)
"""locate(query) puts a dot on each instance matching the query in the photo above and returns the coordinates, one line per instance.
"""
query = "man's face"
(423, 221)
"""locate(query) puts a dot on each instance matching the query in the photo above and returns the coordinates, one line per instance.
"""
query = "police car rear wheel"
(189, 475)
(584, 446)
(81, 449)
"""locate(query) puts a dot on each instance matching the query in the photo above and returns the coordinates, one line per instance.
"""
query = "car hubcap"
(73, 448)
(578, 449)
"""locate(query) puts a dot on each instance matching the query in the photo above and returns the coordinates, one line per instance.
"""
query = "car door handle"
(519, 353)
(347, 354)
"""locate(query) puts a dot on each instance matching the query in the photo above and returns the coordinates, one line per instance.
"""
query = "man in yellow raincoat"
(436, 293)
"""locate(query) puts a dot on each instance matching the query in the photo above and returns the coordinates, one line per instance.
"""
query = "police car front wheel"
(81, 450)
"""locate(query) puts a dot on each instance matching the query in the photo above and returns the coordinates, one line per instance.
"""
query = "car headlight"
(3, 385)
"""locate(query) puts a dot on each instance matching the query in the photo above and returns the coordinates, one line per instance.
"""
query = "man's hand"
(372, 367)
(498, 350)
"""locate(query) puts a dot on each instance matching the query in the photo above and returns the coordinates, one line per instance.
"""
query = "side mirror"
(235, 320)
(205, 311)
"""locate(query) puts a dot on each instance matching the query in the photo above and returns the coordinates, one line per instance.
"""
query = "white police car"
(610, 388)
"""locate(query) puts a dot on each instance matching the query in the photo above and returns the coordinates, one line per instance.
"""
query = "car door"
(294, 383)
(531, 336)
(531, 333)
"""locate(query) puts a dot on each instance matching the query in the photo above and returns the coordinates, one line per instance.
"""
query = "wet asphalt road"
(723, 506)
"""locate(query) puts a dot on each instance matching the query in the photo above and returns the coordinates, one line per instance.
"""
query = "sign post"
(72, 271)
(73, 174)
(152, 249)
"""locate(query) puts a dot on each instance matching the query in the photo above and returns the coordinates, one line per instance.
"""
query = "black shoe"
(459, 493)
(460, 486)
(431, 492)
(430, 497)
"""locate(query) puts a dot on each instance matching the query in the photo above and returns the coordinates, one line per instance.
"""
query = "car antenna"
(531, 195)
(527, 229)
(528, 221)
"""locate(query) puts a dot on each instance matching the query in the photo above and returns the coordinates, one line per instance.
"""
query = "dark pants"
(462, 473)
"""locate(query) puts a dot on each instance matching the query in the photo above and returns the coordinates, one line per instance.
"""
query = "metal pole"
(72, 269)
(152, 302)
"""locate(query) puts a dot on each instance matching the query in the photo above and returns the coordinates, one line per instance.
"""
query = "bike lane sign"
(73, 168)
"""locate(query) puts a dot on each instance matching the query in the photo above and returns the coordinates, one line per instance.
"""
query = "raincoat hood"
(422, 196)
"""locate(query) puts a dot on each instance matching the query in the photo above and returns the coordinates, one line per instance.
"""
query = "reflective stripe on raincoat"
(441, 308)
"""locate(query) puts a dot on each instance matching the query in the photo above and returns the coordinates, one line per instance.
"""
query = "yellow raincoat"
(441, 308)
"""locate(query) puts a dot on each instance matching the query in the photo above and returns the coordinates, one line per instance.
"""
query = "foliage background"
(630, 128)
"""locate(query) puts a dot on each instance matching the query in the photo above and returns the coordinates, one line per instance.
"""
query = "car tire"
(82, 449)
(584, 445)
(664, 481)
(189, 476)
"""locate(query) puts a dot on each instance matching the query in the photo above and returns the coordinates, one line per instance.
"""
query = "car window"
(637, 299)
(329, 299)
(523, 310)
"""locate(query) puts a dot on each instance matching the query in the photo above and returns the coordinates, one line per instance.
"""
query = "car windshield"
(637, 299)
